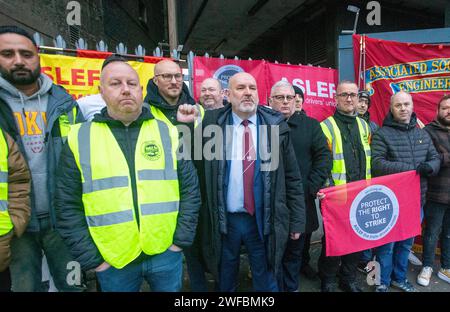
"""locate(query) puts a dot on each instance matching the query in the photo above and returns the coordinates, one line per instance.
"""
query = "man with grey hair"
(314, 161)
(211, 94)
(398, 146)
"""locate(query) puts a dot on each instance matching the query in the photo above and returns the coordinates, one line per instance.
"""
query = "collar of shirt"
(237, 120)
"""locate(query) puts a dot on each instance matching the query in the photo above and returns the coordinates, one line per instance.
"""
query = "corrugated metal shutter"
(316, 53)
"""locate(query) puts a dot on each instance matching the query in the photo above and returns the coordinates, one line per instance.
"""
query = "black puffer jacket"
(283, 201)
(400, 147)
(69, 206)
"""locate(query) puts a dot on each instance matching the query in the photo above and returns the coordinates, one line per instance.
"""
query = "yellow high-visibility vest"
(5, 220)
(65, 121)
(107, 193)
(334, 139)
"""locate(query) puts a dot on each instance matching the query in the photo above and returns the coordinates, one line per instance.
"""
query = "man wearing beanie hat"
(306, 269)
(299, 98)
(362, 109)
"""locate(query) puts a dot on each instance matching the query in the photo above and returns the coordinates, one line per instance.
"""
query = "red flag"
(317, 83)
(423, 70)
(369, 213)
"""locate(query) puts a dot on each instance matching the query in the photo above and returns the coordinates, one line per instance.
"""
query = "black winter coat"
(373, 126)
(283, 201)
(313, 158)
(400, 147)
(69, 206)
(439, 186)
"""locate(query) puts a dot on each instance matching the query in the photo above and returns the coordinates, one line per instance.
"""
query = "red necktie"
(248, 168)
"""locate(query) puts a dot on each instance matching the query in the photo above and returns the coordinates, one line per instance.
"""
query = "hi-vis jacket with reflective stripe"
(107, 193)
(5, 220)
(333, 134)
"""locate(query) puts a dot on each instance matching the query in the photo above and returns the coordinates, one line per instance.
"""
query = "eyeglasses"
(281, 98)
(346, 95)
(169, 77)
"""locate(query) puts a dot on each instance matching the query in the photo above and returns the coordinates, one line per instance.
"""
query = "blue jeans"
(393, 259)
(292, 261)
(26, 260)
(437, 218)
(242, 228)
(163, 272)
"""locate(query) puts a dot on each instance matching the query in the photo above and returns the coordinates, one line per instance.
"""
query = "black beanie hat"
(297, 90)
(365, 95)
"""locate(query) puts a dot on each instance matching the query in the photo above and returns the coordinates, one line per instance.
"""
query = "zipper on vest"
(132, 175)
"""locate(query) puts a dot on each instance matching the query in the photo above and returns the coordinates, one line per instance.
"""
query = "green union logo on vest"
(151, 150)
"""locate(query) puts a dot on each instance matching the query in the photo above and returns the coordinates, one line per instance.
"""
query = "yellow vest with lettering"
(334, 138)
(5, 220)
(107, 192)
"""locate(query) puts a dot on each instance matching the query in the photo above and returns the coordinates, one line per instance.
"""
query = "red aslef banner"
(223, 69)
(317, 83)
(423, 70)
(370, 213)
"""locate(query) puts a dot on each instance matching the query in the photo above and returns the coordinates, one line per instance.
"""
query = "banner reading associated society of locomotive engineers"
(80, 75)
(423, 70)
(369, 213)
(318, 84)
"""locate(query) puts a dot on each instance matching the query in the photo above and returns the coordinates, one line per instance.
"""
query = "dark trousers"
(306, 257)
(195, 268)
(242, 228)
(5, 281)
(292, 261)
(437, 218)
(344, 266)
